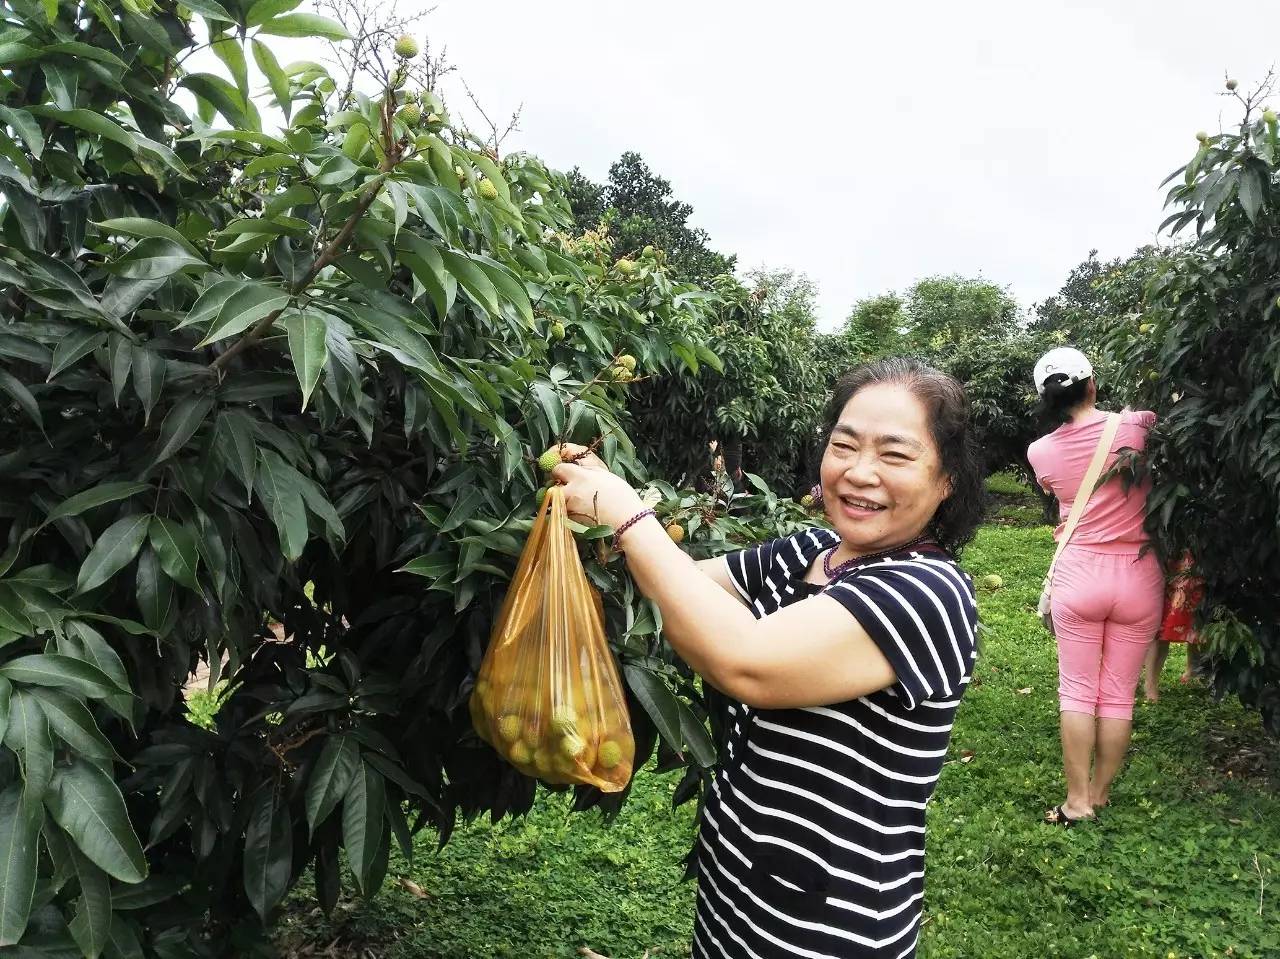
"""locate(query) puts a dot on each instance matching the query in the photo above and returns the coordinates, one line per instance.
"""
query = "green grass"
(1010, 502)
(1170, 870)
(1006, 484)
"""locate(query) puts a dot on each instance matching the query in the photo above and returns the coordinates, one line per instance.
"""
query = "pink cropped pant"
(1106, 611)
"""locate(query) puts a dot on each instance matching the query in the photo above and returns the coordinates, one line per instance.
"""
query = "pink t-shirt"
(1112, 520)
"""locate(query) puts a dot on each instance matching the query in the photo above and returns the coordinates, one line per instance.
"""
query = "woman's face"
(882, 477)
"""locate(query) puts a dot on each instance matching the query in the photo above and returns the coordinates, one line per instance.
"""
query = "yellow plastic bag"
(548, 696)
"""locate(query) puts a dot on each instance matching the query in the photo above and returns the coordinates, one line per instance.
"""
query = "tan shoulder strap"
(1088, 484)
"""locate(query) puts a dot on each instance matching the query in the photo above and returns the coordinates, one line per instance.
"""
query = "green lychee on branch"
(407, 47)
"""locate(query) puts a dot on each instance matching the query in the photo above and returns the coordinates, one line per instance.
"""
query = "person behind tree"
(1106, 591)
(845, 651)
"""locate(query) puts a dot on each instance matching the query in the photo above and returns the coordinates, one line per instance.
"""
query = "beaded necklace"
(833, 572)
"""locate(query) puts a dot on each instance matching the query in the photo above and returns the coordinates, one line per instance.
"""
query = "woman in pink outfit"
(1107, 594)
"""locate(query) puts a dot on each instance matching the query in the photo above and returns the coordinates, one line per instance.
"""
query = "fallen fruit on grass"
(992, 581)
(1145, 328)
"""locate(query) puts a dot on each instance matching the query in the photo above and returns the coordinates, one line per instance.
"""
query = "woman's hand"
(591, 492)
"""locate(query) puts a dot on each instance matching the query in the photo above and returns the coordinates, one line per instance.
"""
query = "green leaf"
(175, 545)
(245, 307)
(695, 735)
(142, 228)
(181, 424)
(114, 550)
(6, 694)
(155, 590)
(473, 280)
(28, 735)
(91, 925)
(307, 334)
(13, 615)
(85, 802)
(431, 565)
(268, 851)
(1252, 190)
(230, 52)
(305, 25)
(81, 641)
(87, 51)
(468, 501)
(279, 491)
(209, 9)
(123, 942)
(26, 127)
(22, 396)
(711, 359)
(331, 777)
(72, 348)
(211, 301)
(55, 669)
(20, 822)
(223, 97)
(658, 701)
(263, 10)
(72, 722)
(234, 431)
(363, 825)
(156, 258)
(512, 289)
(91, 122)
(270, 68)
(148, 378)
(93, 497)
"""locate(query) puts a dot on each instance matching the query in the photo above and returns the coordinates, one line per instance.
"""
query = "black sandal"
(1057, 816)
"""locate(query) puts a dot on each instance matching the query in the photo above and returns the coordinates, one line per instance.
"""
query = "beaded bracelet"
(617, 535)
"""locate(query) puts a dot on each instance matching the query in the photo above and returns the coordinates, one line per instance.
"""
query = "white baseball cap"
(1064, 360)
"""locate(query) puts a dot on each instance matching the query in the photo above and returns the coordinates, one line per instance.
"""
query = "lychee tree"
(1210, 364)
(292, 378)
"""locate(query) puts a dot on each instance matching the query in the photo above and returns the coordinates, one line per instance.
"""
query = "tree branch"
(331, 252)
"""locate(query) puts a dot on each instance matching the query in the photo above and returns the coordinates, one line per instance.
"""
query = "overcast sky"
(870, 145)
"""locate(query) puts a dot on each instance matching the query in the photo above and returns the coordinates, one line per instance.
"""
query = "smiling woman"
(846, 652)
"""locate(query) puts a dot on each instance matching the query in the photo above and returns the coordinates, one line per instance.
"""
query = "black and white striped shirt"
(812, 839)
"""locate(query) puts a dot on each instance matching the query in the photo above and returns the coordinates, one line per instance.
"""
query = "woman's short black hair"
(950, 424)
(1059, 398)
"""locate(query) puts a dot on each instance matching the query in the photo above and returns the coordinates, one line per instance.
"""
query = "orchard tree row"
(292, 376)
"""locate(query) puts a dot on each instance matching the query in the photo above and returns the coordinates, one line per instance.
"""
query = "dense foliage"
(1096, 297)
(250, 378)
(638, 209)
(761, 401)
(1207, 355)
